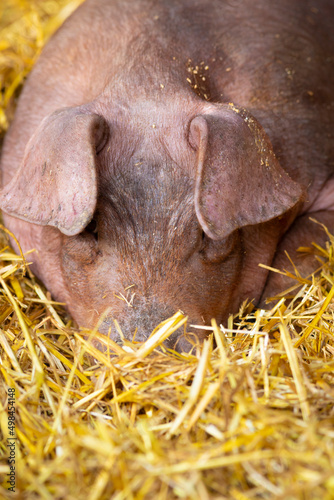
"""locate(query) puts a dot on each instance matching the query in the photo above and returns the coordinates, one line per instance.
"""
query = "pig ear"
(56, 183)
(239, 181)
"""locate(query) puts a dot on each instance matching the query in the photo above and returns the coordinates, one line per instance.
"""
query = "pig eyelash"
(100, 148)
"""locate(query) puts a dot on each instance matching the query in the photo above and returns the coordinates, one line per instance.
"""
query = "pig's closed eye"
(203, 241)
(102, 135)
(92, 228)
(216, 251)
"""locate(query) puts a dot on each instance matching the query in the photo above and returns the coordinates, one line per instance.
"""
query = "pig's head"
(146, 227)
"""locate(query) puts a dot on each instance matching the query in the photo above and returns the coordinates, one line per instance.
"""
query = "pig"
(162, 149)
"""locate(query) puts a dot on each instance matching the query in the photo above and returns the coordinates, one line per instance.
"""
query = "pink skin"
(132, 175)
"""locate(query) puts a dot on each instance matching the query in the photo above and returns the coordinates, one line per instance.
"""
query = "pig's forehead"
(149, 190)
(149, 134)
(144, 176)
(148, 197)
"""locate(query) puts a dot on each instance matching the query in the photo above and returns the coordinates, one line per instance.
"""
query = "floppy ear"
(56, 183)
(239, 181)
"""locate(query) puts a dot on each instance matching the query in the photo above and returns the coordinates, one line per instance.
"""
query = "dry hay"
(247, 416)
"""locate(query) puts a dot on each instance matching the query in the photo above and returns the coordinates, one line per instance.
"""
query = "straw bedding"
(249, 415)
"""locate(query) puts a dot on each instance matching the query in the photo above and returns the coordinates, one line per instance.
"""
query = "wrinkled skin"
(134, 176)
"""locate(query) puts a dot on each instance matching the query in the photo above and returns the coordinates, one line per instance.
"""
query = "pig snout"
(139, 321)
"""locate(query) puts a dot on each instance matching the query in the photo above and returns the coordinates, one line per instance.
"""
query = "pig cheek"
(88, 276)
(215, 285)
